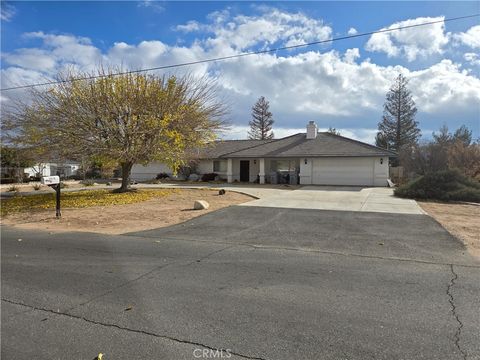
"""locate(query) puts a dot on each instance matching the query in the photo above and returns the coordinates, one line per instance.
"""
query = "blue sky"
(341, 84)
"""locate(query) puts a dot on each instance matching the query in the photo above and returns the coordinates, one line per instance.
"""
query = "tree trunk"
(126, 169)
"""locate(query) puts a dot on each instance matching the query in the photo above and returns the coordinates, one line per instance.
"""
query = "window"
(220, 166)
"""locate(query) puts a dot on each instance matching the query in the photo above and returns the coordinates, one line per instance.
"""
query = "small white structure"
(311, 158)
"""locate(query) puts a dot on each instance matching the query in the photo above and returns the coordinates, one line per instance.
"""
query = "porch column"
(229, 171)
(261, 174)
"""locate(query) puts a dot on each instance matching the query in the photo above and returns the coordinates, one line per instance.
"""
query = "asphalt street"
(245, 283)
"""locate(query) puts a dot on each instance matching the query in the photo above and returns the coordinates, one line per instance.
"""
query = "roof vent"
(312, 130)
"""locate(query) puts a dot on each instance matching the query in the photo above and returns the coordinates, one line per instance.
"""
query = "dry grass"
(462, 220)
(172, 207)
(79, 199)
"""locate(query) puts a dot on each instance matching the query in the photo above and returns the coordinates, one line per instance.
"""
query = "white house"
(318, 158)
(64, 168)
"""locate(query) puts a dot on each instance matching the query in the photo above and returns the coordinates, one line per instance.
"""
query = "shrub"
(13, 188)
(87, 182)
(36, 187)
(209, 177)
(75, 177)
(446, 185)
(162, 176)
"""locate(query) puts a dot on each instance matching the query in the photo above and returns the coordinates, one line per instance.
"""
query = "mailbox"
(54, 183)
(50, 180)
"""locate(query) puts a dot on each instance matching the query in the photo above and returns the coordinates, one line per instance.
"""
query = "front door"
(244, 170)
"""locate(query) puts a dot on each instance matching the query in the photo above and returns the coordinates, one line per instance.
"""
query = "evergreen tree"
(463, 134)
(262, 121)
(333, 131)
(398, 127)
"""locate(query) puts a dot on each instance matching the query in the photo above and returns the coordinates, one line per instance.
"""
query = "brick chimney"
(312, 130)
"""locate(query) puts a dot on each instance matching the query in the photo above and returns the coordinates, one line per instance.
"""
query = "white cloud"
(411, 43)
(189, 26)
(333, 88)
(352, 31)
(445, 88)
(470, 38)
(153, 5)
(472, 58)
(7, 11)
(271, 26)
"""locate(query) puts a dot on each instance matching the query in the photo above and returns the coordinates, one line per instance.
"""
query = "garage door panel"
(343, 171)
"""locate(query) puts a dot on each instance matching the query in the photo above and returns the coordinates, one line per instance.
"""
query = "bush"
(209, 177)
(8, 180)
(447, 185)
(13, 188)
(162, 176)
(36, 187)
(88, 182)
(75, 177)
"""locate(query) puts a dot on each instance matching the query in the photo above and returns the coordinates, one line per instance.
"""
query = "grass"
(79, 199)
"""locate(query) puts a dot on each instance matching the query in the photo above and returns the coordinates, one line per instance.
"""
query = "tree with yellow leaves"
(128, 118)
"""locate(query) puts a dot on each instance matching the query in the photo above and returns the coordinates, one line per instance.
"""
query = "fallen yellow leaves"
(79, 199)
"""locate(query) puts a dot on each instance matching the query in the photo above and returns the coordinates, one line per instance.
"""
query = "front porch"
(263, 170)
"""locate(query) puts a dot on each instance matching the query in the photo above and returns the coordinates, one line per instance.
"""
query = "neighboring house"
(64, 168)
(318, 158)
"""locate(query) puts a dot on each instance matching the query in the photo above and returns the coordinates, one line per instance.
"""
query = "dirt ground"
(119, 219)
(461, 220)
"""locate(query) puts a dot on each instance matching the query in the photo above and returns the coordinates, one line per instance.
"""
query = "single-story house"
(311, 158)
(64, 168)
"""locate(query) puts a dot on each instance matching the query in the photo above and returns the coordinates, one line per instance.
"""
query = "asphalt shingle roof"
(225, 147)
(325, 144)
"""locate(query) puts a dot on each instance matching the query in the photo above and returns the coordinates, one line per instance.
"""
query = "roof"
(225, 147)
(324, 145)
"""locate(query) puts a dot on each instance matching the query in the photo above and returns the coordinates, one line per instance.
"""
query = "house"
(311, 158)
(64, 168)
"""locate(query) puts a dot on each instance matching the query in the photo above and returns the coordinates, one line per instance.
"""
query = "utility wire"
(241, 54)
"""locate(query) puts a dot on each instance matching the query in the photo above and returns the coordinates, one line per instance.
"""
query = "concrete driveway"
(339, 198)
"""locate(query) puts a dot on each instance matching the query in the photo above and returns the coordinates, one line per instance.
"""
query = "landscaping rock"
(200, 205)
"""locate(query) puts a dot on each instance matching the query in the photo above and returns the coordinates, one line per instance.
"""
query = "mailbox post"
(54, 183)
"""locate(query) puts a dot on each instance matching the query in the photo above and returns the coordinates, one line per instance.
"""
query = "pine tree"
(262, 121)
(398, 127)
(333, 131)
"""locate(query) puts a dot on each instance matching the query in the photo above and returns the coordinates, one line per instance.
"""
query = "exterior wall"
(49, 169)
(381, 173)
(306, 171)
(254, 169)
(370, 171)
(148, 172)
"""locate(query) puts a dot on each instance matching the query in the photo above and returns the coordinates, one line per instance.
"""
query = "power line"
(242, 54)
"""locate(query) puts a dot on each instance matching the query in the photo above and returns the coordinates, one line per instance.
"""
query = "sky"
(340, 84)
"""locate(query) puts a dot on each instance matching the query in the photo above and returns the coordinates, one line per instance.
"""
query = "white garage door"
(343, 171)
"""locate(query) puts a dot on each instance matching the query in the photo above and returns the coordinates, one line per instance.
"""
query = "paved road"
(263, 283)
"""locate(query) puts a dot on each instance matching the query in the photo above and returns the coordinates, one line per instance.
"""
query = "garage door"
(343, 171)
